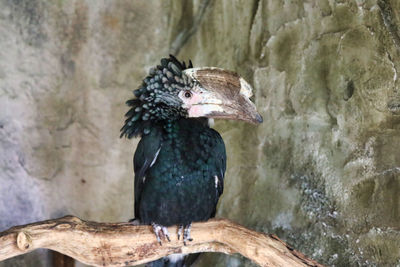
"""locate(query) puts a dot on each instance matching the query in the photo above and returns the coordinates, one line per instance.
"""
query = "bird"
(180, 161)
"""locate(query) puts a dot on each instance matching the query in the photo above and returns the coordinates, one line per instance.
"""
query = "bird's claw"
(186, 234)
(161, 232)
(180, 229)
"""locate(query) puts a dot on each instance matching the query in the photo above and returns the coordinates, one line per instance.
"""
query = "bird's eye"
(188, 94)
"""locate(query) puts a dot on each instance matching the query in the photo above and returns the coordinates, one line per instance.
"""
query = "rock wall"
(322, 171)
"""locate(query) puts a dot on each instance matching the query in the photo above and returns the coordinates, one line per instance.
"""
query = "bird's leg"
(186, 233)
(180, 229)
(160, 232)
(165, 232)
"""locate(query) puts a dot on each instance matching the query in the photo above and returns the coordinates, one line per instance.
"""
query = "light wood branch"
(121, 244)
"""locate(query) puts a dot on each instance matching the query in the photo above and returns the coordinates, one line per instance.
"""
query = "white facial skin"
(200, 103)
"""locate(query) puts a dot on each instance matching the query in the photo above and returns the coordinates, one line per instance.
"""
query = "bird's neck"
(172, 125)
(174, 129)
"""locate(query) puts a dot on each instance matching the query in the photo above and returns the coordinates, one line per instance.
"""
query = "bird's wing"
(220, 162)
(145, 156)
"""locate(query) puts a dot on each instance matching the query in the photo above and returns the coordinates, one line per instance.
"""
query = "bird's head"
(172, 91)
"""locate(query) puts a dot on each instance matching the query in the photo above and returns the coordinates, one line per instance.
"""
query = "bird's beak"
(219, 93)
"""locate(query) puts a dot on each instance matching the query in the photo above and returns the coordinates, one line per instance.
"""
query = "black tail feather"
(185, 261)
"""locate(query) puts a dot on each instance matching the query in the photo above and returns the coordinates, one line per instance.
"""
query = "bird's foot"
(186, 233)
(161, 232)
(180, 230)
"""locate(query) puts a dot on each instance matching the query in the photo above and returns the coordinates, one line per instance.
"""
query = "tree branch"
(120, 244)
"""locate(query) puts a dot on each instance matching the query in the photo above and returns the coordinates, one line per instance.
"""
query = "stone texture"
(322, 171)
(66, 69)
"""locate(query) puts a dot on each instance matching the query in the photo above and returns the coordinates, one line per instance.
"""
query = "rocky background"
(322, 171)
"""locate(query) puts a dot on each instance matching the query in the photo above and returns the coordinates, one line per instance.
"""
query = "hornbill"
(180, 161)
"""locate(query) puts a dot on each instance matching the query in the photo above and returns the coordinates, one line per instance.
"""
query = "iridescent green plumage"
(186, 179)
(179, 162)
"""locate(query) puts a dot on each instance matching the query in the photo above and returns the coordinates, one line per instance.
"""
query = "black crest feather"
(154, 96)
